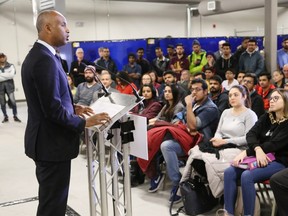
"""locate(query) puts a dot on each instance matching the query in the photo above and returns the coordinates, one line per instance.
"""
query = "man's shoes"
(156, 183)
(5, 119)
(173, 196)
(16, 119)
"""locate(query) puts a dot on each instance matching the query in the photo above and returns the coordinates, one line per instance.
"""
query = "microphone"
(106, 93)
(135, 93)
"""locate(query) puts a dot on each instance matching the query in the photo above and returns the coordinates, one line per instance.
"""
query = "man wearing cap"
(282, 54)
(7, 72)
(87, 92)
(197, 59)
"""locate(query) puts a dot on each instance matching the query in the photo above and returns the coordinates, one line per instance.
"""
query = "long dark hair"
(124, 75)
(244, 91)
(168, 112)
(153, 90)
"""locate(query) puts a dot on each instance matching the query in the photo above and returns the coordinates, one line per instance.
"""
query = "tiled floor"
(18, 182)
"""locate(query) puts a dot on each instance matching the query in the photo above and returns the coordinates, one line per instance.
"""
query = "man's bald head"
(51, 27)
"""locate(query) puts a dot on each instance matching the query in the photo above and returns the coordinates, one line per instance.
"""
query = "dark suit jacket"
(53, 129)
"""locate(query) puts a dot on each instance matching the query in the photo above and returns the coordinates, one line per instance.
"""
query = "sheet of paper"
(102, 106)
(139, 147)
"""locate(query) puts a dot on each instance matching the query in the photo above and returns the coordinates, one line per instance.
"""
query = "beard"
(89, 79)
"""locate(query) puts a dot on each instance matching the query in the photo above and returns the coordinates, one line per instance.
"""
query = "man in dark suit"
(54, 124)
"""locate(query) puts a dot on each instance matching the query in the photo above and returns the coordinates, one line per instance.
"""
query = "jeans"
(248, 179)
(279, 185)
(171, 150)
(3, 103)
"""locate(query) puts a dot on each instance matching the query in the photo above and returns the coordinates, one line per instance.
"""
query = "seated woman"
(212, 157)
(155, 78)
(278, 79)
(122, 86)
(151, 106)
(166, 116)
(269, 134)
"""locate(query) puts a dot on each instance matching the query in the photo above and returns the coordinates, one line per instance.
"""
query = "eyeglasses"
(247, 81)
(275, 98)
(196, 89)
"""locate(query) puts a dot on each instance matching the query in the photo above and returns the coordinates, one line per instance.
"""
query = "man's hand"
(189, 99)
(81, 110)
(101, 118)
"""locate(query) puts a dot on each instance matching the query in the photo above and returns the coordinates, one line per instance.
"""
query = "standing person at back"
(7, 72)
(282, 54)
(251, 59)
(197, 59)
(53, 127)
(144, 63)
(179, 62)
(78, 66)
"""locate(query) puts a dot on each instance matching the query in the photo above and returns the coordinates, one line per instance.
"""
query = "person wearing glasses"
(257, 105)
(201, 115)
(269, 134)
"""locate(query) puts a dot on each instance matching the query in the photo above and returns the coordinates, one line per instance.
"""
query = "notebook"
(250, 163)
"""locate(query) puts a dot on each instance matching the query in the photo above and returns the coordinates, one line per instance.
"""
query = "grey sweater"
(234, 128)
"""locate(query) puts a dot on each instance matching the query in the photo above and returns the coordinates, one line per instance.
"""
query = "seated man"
(257, 105)
(201, 115)
(87, 92)
(265, 88)
(218, 94)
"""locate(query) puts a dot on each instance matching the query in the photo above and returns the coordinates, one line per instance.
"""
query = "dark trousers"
(279, 185)
(53, 179)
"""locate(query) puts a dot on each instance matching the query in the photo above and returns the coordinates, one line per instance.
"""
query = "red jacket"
(265, 95)
(156, 136)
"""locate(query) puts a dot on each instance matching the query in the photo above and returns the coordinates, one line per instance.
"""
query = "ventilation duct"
(226, 6)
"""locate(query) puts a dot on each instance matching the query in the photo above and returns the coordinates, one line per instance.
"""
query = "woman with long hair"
(278, 79)
(268, 135)
(151, 105)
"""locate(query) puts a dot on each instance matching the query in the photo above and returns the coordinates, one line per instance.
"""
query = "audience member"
(133, 69)
(144, 63)
(251, 60)
(160, 63)
(7, 73)
(87, 92)
(228, 141)
(285, 72)
(240, 49)
(279, 185)
(100, 53)
(278, 79)
(219, 52)
(269, 134)
(179, 62)
(171, 53)
(197, 59)
(257, 105)
(184, 80)
(218, 94)
(77, 67)
(211, 60)
(154, 77)
(122, 80)
(172, 106)
(230, 79)
(151, 105)
(240, 76)
(106, 62)
(201, 115)
(71, 84)
(225, 61)
(107, 81)
(265, 88)
(282, 54)
(209, 72)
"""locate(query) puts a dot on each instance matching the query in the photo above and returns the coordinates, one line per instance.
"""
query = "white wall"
(108, 20)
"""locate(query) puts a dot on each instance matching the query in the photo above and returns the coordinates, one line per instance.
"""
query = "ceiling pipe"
(227, 6)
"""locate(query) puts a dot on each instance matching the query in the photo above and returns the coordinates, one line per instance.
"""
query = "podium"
(96, 138)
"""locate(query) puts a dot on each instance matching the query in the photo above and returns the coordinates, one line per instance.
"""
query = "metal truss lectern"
(106, 170)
